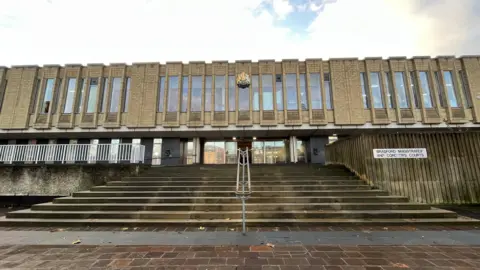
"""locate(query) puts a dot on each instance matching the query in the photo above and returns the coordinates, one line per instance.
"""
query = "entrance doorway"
(243, 145)
(260, 151)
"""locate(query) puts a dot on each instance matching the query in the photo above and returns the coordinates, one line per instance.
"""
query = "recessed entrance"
(261, 151)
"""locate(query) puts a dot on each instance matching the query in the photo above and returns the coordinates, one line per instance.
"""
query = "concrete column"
(293, 149)
(148, 143)
(196, 147)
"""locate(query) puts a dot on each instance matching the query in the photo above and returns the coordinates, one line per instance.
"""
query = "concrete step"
(232, 188)
(226, 207)
(234, 177)
(271, 194)
(230, 199)
(304, 214)
(233, 182)
(292, 172)
(32, 222)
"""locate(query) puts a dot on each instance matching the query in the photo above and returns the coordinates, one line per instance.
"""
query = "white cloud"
(106, 31)
(282, 8)
(392, 28)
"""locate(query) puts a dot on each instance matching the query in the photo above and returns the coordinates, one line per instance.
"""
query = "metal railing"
(71, 153)
(243, 187)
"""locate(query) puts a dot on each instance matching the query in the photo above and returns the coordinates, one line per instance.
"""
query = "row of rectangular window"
(399, 80)
(50, 96)
(268, 97)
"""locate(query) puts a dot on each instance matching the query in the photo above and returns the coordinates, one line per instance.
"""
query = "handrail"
(244, 187)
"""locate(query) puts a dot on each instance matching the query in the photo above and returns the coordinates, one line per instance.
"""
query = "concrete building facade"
(194, 112)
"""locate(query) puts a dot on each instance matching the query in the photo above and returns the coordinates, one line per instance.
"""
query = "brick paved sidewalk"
(240, 257)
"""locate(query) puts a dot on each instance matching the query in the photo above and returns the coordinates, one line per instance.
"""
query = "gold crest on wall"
(243, 80)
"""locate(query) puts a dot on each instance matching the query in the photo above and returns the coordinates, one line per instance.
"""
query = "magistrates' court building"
(186, 113)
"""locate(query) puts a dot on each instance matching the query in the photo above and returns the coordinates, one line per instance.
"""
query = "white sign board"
(400, 153)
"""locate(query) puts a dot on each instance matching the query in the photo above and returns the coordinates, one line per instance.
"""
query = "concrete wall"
(26, 86)
(171, 154)
(317, 149)
(58, 180)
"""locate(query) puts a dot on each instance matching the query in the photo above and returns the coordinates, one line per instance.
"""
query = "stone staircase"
(204, 195)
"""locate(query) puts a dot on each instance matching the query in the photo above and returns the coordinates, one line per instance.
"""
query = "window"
(388, 84)
(48, 96)
(208, 93)
(316, 91)
(172, 103)
(126, 96)
(72, 83)
(115, 98)
(328, 90)
(402, 97)
(196, 101)
(104, 95)
(427, 97)
(255, 93)
(92, 95)
(303, 92)
(220, 93)
(377, 92)
(3, 89)
(184, 102)
(441, 97)
(292, 103)
(56, 96)
(279, 91)
(232, 97)
(79, 106)
(363, 83)
(465, 89)
(267, 92)
(161, 93)
(451, 91)
(414, 87)
(36, 89)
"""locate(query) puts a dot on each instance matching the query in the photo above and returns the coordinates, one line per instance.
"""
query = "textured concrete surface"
(58, 180)
(253, 257)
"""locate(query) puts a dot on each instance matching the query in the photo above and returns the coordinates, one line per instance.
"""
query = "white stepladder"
(244, 188)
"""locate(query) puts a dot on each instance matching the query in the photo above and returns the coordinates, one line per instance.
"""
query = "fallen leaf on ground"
(232, 230)
(270, 245)
(201, 228)
(124, 229)
(400, 265)
(76, 242)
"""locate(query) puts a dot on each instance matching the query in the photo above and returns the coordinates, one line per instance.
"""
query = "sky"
(62, 32)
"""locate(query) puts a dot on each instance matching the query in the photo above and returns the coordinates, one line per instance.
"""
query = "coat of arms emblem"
(243, 80)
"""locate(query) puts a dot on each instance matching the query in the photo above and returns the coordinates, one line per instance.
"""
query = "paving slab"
(237, 238)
